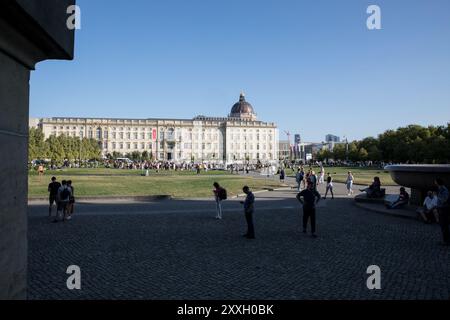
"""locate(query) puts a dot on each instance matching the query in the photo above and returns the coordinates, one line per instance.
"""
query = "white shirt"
(60, 190)
(430, 203)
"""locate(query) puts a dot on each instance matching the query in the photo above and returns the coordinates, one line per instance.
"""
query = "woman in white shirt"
(349, 183)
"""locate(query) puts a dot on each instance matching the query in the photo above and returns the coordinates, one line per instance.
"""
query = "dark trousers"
(250, 227)
(309, 213)
(443, 221)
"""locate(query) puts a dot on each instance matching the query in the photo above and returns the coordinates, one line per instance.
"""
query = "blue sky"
(312, 66)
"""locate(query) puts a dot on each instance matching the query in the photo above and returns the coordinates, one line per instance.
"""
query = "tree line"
(411, 144)
(57, 149)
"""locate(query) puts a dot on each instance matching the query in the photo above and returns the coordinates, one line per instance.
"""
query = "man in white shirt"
(429, 210)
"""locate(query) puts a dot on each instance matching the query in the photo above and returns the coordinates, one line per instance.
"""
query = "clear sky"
(311, 66)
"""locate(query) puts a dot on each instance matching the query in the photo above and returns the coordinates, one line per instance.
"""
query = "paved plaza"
(176, 249)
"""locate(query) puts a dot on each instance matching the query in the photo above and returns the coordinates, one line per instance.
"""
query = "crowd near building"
(238, 138)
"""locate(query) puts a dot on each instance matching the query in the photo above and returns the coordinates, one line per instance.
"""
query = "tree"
(116, 155)
(56, 150)
(363, 154)
(145, 156)
(353, 151)
(37, 147)
(339, 151)
(374, 154)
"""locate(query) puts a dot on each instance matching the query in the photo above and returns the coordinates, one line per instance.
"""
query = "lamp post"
(346, 148)
(81, 143)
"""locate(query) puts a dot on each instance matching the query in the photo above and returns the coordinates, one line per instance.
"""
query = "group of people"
(310, 177)
(436, 206)
(61, 194)
(220, 194)
(308, 197)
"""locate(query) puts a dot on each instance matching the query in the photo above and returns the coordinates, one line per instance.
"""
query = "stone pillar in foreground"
(30, 31)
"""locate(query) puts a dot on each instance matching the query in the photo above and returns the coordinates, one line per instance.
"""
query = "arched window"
(99, 133)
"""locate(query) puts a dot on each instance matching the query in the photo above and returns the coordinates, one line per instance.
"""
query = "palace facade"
(238, 138)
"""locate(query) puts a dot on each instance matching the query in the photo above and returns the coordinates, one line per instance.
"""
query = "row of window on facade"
(144, 146)
(128, 135)
(237, 146)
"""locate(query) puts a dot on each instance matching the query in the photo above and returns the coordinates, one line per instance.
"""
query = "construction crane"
(288, 133)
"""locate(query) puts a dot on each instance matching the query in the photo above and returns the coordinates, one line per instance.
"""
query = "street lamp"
(81, 143)
(346, 148)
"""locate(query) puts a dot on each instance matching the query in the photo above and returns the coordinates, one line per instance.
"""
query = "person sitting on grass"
(429, 210)
(374, 190)
(403, 199)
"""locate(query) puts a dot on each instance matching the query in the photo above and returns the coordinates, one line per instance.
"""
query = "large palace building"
(238, 138)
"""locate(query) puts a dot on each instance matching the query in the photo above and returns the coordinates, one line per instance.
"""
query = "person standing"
(322, 175)
(313, 179)
(71, 205)
(282, 175)
(349, 183)
(443, 210)
(41, 170)
(299, 178)
(329, 187)
(309, 202)
(220, 194)
(53, 188)
(249, 208)
(63, 200)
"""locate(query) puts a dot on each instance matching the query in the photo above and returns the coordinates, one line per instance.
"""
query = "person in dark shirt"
(403, 199)
(374, 190)
(53, 188)
(248, 210)
(309, 201)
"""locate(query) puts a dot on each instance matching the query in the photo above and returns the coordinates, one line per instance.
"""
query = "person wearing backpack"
(64, 195)
(220, 194)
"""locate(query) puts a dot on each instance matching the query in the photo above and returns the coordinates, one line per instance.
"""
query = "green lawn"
(362, 175)
(101, 182)
(118, 182)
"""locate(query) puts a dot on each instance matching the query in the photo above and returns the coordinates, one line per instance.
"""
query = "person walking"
(443, 208)
(349, 183)
(309, 202)
(329, 186)
(41, 170)
(220, 194)
(249, 208)
(53, 188)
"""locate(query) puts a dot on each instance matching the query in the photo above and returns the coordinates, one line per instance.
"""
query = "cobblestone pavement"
(177, 250)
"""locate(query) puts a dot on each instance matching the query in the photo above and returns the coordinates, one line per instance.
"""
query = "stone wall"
(14, 92)
(30, 31)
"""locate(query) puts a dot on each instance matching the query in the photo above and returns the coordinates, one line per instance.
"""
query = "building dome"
(243, 109)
